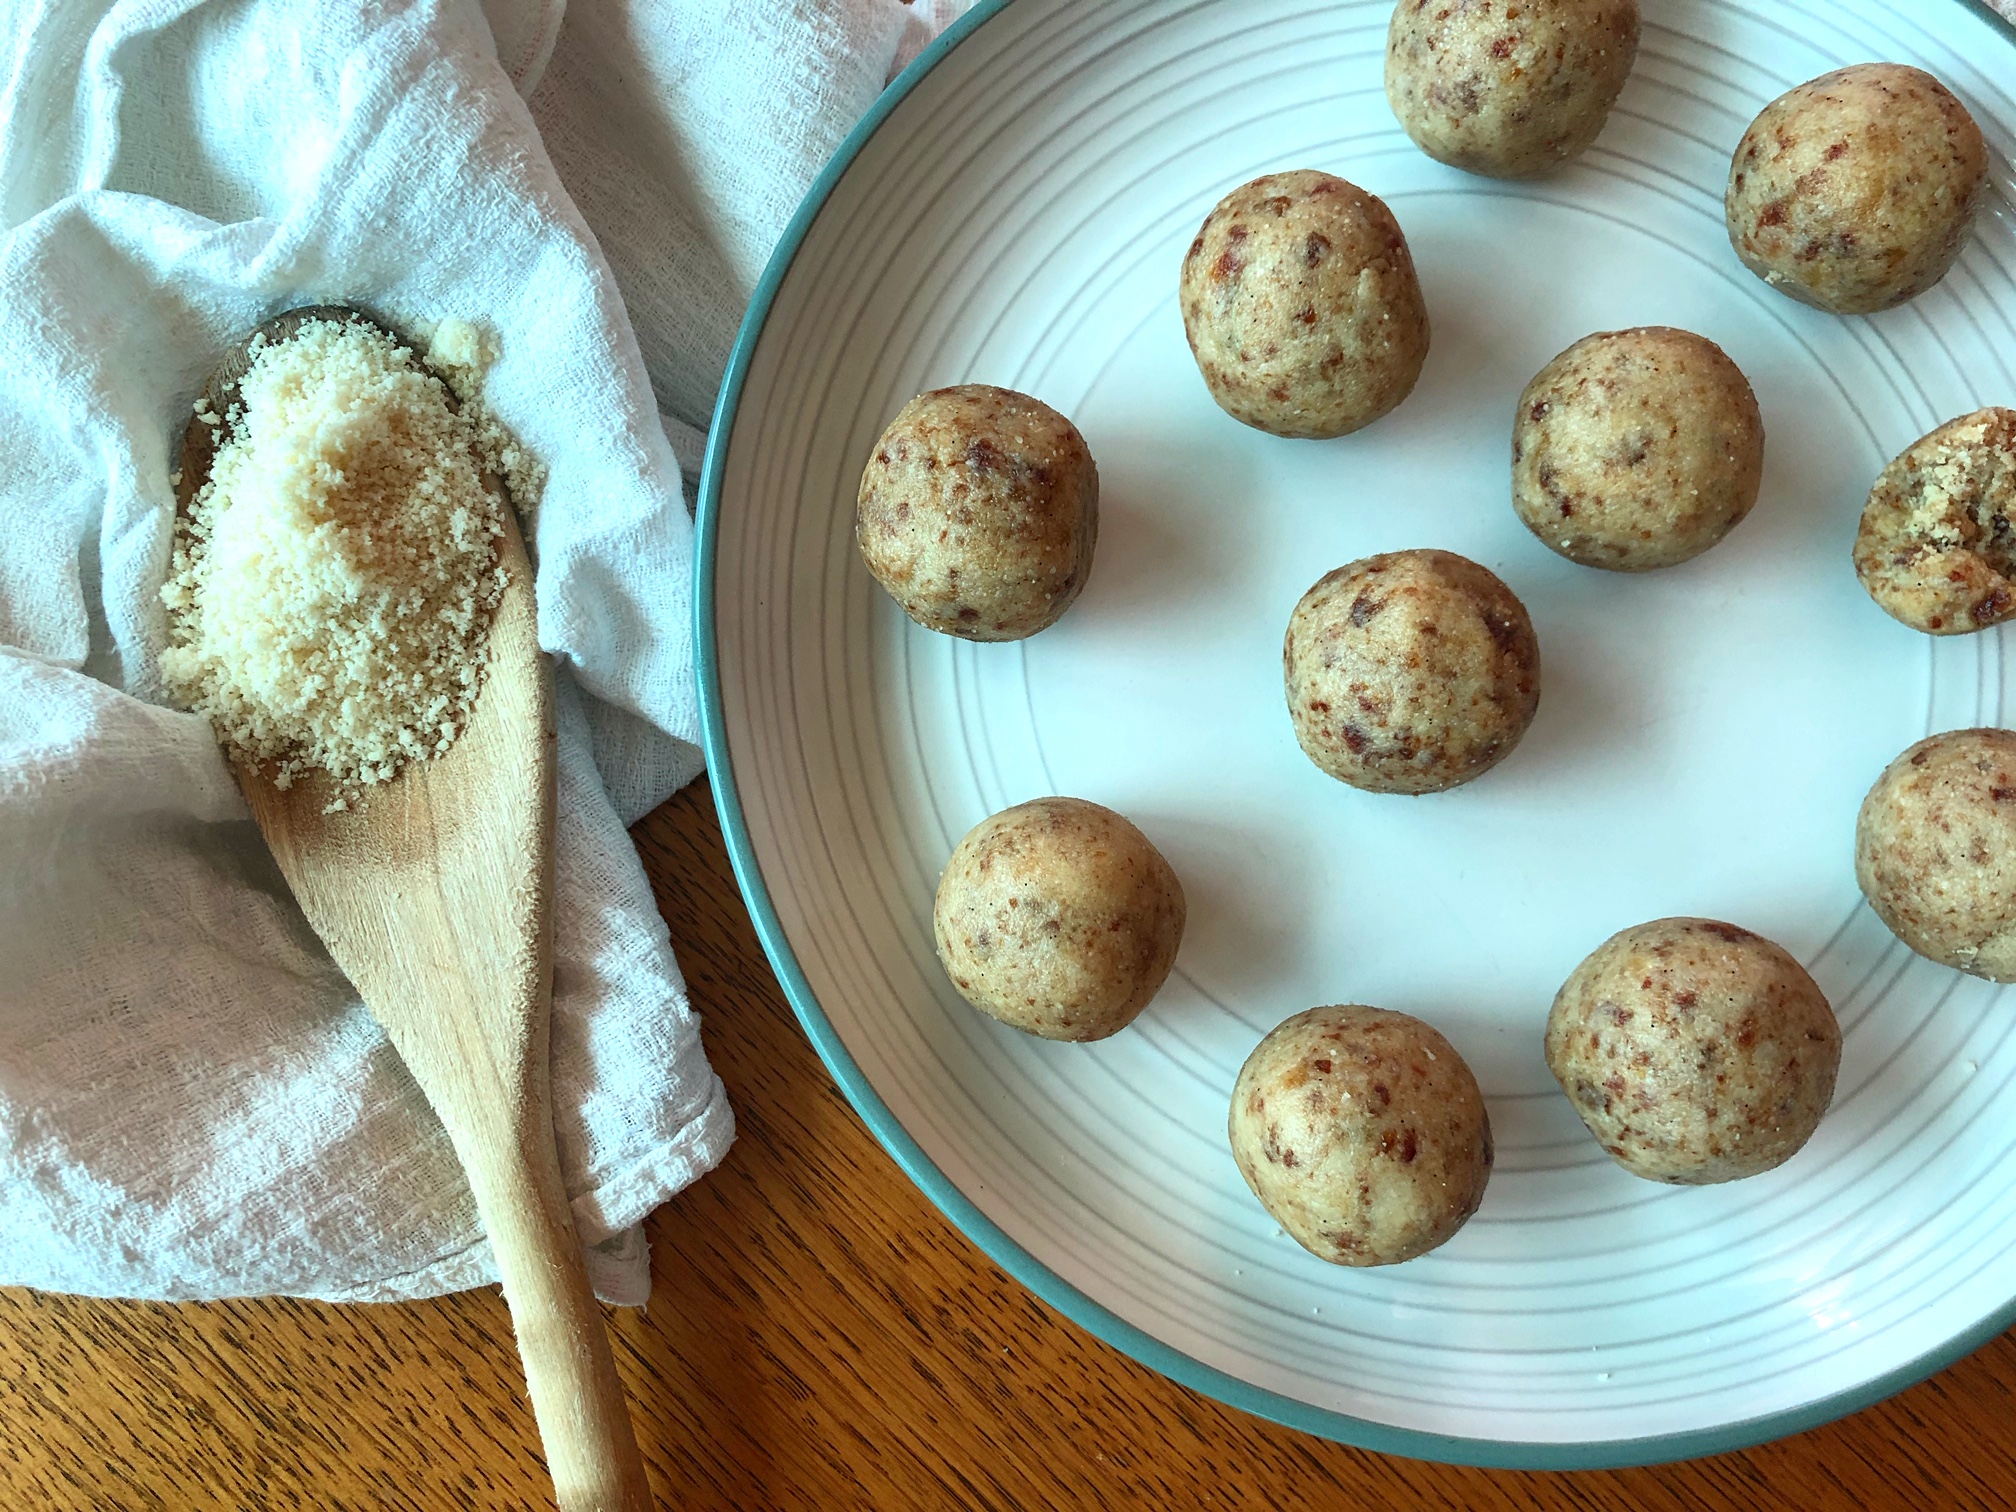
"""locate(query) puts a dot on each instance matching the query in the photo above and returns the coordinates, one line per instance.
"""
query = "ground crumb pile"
(462, 353)
(334, 579)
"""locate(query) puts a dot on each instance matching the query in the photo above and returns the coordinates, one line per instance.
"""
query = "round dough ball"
(1302, 308)
(1511, 91)
(1855, 190)
(1410, 672)
(1362, 1132)
(1058, 917)
(1937, 544)
(978, 512)
(1636, 449)
(1935, 850)
(1696, 1052)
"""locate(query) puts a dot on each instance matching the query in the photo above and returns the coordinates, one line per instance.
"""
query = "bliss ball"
(1935, 850)
(978, 511)
(1510, 90)
(1854, 191)
(1636, 449)
(1937, 545)
(1410, 672)
(1059, 918)
(1695, 1051)
(1362, 1133)
(1302, 308)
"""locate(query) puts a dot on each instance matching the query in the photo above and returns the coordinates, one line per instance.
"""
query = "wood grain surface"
(818, 1337)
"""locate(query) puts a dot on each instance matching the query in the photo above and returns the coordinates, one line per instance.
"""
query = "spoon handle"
(591, 1449)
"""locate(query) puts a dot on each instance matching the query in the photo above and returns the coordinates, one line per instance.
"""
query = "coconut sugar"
(334, 578)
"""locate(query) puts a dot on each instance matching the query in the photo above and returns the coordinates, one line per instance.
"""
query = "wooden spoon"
(433, 894)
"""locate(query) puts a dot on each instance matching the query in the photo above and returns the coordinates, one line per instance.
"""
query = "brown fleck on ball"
(1302, 306)
(1410, 672)
(1636, 449)
(1935, 850)
(978, 512)
(1855, 191)
(1363, 1134)
(1510, 90)
(1695, 1051)
(1937, 545)
(1058, 917)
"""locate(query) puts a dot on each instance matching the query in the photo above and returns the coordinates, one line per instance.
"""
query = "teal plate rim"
(1106, 1325)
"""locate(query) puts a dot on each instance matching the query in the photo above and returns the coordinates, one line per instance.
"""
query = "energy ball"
(1363, 1133)
(1511, 91)
(1410, 672)
(1636, 449)
(1937, 544)
(1854, 191)
(1059, 918)
(978, 512)
(1302, 308)
(1935, 850)
(1696, 1052)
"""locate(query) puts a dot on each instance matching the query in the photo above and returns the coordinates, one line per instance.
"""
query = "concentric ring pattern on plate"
(1704, 735)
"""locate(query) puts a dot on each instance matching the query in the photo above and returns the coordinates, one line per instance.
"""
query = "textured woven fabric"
(192, 1100)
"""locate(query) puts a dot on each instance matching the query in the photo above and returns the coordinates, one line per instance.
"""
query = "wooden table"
(818, 1336)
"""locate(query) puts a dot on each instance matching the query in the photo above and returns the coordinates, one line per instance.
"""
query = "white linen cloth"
(193, 1103)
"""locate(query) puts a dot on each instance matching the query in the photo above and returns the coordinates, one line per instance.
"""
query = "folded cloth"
(193, 1103)
(688, 133)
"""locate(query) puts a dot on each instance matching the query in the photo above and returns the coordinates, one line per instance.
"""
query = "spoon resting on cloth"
(433, 894)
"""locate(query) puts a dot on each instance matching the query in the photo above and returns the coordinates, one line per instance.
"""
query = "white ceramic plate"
(1014, 212)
